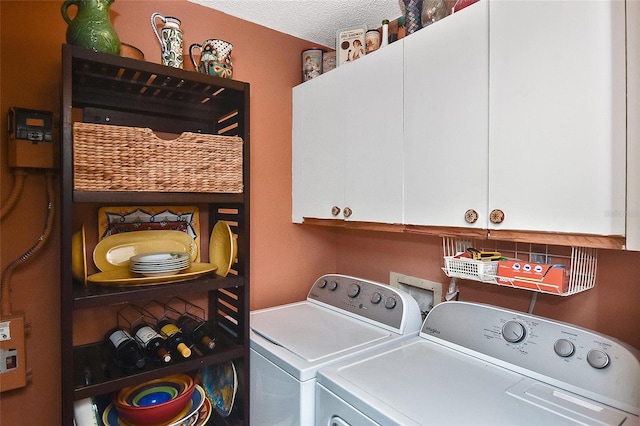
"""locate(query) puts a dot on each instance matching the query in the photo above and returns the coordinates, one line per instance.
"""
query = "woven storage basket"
(119, 158)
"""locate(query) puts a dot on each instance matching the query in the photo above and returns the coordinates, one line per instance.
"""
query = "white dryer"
(342, 317)
(477, 364)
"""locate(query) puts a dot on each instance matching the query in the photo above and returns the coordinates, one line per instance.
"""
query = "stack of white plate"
(159, 264)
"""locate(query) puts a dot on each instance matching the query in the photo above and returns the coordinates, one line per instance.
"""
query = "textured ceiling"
(313, 20)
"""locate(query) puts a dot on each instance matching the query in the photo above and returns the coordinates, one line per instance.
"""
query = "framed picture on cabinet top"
(350, 44)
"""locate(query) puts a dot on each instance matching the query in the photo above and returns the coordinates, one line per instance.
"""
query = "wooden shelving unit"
(112, 90)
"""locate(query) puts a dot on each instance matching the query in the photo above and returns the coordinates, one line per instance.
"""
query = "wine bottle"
(125, 350)
(175, 338)
(151, 342)
(197, 330)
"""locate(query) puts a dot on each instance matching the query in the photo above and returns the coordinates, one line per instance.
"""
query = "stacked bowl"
(159, 264)
(156, 401)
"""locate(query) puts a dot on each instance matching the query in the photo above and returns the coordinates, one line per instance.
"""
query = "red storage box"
(534, 276)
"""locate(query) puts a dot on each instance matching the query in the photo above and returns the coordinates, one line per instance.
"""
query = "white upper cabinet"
(633, 125)
(557, 115)
(347, 141)
(318, 149)
(446, 84)
(509, 115)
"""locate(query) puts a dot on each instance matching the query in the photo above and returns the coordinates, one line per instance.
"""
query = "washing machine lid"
(314, 333)
(421, 382)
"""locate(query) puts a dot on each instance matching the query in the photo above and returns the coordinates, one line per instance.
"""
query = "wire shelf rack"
(579, 264)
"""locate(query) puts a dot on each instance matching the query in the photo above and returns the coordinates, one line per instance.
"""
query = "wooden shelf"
(94, 295)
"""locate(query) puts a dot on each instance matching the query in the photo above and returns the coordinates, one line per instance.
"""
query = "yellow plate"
(114, 251)
(223, 248)
(122, 276)
(79, 255)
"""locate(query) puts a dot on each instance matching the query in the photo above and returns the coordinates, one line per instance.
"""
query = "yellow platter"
(122, 276)
(223, 248)
(114, 251)
(79, 255)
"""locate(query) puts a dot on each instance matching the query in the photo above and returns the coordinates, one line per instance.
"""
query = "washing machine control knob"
(322, 283)
(390, 303)
(598, 358)
(354, 290)
(564, 348)
(513, 332)
(333, 285)
(376, 298)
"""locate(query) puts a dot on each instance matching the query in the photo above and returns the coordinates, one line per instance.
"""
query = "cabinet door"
(318, 148)
(372, 101)
(347, 141)
(633, 126)
(446, 126)
(557, 115)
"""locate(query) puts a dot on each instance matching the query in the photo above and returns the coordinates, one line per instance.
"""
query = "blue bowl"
(154, 395)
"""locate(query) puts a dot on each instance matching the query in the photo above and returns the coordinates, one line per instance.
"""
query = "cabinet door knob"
(471, 216)
(496, 216)
(335, 210)
(347, 212)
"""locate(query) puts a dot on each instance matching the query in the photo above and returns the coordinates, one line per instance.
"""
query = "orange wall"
(31, 34)
(285, 257)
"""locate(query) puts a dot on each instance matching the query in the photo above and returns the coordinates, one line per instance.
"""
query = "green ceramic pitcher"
(91, 27)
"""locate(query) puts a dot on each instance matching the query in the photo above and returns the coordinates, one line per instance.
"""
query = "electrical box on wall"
(13, 371)
(31, 139)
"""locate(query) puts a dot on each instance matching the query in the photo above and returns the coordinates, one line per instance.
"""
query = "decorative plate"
(115, 251)
(118, 219)
(79, 255)
(223, 248)
(220, 383)
(123, 276)
(204, 413)
(188, 417)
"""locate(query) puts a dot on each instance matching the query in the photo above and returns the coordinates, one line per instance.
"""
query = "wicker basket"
(119, 158)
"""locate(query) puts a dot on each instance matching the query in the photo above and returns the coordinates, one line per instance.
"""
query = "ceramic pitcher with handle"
(215, 57)
(91, 27)
(170, 38)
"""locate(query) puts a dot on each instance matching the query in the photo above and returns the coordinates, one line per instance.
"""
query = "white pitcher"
(170, 38)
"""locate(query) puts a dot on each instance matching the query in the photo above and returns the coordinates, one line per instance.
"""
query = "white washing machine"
(342, 317)
(476, 364)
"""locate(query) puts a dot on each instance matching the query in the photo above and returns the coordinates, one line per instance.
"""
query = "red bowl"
(154, 413)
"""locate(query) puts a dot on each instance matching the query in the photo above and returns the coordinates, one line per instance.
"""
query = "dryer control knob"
(354, 290)
(333, 285)
(376, 298)
(513, 332)
(390, 303)
(564, 348)
(322, 283)
(598, 358)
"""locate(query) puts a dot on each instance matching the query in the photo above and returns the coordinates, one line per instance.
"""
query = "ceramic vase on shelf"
(413, 10)
(170, 38)
(91, 27)
(215, 58)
